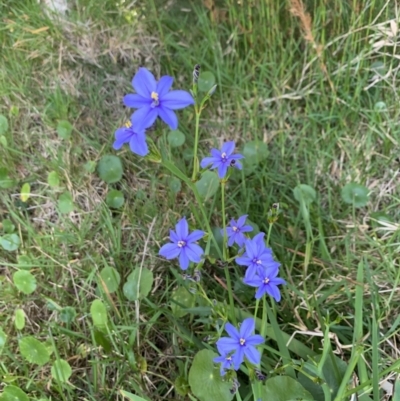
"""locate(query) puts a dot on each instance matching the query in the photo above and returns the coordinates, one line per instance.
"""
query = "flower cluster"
(152, 99)
(240, 344)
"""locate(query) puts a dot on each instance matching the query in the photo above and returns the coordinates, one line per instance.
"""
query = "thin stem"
(196, 142)
(223, 183)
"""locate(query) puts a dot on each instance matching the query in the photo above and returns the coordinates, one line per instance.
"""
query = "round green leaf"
(25, 192)
(208, 184)
(33, 351)
(8, 226)
(255, 152)
(182, 299)
(3, 140)
(205, 380)
(61, 370)
(99, 313)
(13, 393)
(90, 166)
(64, 129)
(3, 124)
(67, 314)
(110, 278)
(206, 81)
(5, 180)
(3, 339)
(284, 388)
(110, 169)
(53, 179)
(356, 194)
(65, 203)
(132, 290)
(19, 319)
(304, 193)
(10, 242)
(175, 185)
(380, 106)
(25, 262)
(25, 281)
(115, 199)
(176, 138)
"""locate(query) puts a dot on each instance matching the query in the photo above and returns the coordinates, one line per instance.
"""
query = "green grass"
(315, 111)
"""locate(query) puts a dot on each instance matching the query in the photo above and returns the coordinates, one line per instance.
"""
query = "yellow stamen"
(154, 96)
(128, 124)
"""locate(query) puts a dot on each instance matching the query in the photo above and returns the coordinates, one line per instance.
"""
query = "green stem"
(223, 220)
(196, 142)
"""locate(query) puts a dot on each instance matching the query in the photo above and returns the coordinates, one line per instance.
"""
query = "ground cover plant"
(116, 278)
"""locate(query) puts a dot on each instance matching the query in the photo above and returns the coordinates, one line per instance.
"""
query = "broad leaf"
(134, 291)
(111, 278)
(208, 184)
(61, 370)
(284, 388)
(25, 281)
(99, 313)
(110, 169)
(34, 351)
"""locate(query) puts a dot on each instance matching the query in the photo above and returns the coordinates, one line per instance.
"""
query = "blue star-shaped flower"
(222, 159)
(154, 99)
(266, 281)
(256, 254)
(236, 230)
(226, 361)
(183, 245)
(136, 139)
(241, 342)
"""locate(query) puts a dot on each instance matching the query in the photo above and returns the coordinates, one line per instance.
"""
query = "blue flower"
(226, 361)
(236, 230)
(241, 342)
(222, 159)
(183, 245)
(136, 139)
(256, 254)
(266, 281)
(154, 99)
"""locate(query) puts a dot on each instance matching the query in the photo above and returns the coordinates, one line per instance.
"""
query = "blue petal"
(168, 116)
(278, 281)
(136, 101)
(182, 229)
(273, 290)
(183, 261)
(260, 292)
(144, 82)
(207, 161)
(241, 220)
(195, 236)
(226, 345)
(122, 135)
(216, 153)
(232, 331)
(222, 169)
(169, 251)
(231, 240)
(176, 100)
(243, 260)
(138, 144)
(228, 147)
(252, 355)
(237, 156)
(246, 229)
(143, 118)
(255, 340)
(193, 252)
(173, 236)
(247, 327)
(238, 165)
(252, 281)
(238, 358)
(164, 85)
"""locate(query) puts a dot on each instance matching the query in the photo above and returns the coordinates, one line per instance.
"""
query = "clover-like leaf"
(304, 193)
(174, 184)
(111, 278)
(13, 393)
(284, 388)
(3, 124)
(61, 370)
(182, 299)
(25, 192)
(67, 314)
(115, 199)
(19, 319)
(205, 379)
(10, 242)
(255, 152)
(110, 169)
(25, 281)
(134, 291)
(355, 194)
(208, 184)
(34, 351)
(66, 203)
(99, 313)
(5, 180)
(53, 179)
(176, 138)
(206, 81)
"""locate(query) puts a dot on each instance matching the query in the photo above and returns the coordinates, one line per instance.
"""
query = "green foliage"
(3, 124)
(61, 370)
(66, 203)
(25, 281)
(206, 81)
(205, 380)
(64, 129)
(182, 299)
(111, 278)
(176, 138)
(19, 319)
(208, 184)
(53, 179)
(3, 339)
(98, 312)
(13, 393)
(284, 388)
(115, 199)
(10, 242)
(174, 185)
(138, 284)
(110, 169)
(5, 180)
(355, 194)
(304, 193)
(33, 350)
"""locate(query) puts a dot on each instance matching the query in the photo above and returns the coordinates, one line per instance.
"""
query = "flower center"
(223, 157)
(228, 358)
(266, 280)
(181, 244)
(257, 261)
(128, 124)
(242, 341)
(236, 229)
(156, 102)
